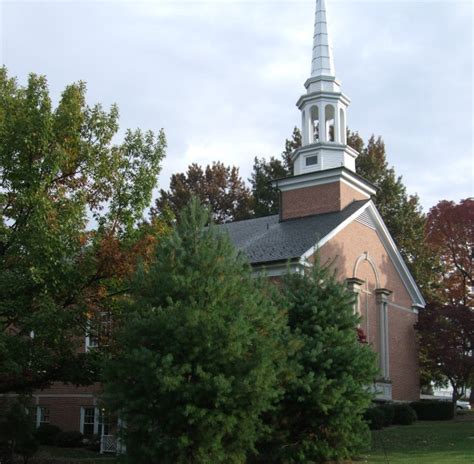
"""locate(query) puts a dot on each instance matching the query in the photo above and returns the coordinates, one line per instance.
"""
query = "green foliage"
(433, 410)
(69, 439)
(266, 197)
(404, 414)
(388, 410)
(401, 212)
(321, 414)
(375, 418)
(201, 354)
(16, 433)
(46, 434)
(58, 168)
(218, 187)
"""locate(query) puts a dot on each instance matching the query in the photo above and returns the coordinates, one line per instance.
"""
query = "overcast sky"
(222, 77)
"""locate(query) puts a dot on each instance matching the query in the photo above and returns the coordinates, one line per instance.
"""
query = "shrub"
(46, 434)
(92, 443)
(389, 413)
(375, 417)
(433, 409)
(16, 434)
(403, 414)
(69, 439)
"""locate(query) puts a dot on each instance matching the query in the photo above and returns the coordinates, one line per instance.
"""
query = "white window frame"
(96, 418)
(39, 415)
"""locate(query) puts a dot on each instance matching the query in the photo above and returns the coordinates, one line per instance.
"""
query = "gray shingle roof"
(265, 239)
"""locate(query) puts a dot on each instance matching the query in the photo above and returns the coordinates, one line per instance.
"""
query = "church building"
(326, 208)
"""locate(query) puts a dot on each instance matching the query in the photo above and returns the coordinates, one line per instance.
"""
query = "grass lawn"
(436, 442)
(52, 454)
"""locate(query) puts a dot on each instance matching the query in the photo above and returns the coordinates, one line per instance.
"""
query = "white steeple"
(323, 61)
(323, 109)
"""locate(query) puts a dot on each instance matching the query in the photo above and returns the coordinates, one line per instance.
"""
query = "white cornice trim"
(305, 256)
(276, 270)
(396, 258)
(324, 177)
(322, 95)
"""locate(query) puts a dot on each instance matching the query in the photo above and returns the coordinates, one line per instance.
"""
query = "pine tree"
(200, 353)
(320, 416)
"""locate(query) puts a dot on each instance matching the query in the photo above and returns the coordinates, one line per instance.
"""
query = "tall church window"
(314, 127)
(329, 118)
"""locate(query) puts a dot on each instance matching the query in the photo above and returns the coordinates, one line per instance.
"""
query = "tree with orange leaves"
(71, 226)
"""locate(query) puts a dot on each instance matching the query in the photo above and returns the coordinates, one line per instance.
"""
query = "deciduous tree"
(58, 170)
(218, 187)
(446, 334)
(402, 213)
(450, 236)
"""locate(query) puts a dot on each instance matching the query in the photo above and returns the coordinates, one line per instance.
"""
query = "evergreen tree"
(266, 197)
(200, 353)
(320, 416)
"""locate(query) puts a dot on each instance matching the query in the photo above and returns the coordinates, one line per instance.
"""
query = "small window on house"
(99, 330)
(89, 421)
(42, 415)
(311, 160)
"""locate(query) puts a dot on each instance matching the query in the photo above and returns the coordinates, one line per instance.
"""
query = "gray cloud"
(223, 77)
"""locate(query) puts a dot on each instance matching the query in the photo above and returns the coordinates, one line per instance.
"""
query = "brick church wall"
(318, 199)
(343, 251)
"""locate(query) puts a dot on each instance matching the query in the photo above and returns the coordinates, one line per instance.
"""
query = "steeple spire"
(323, 62)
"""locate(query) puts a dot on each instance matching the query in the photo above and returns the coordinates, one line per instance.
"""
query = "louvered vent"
(365, 219)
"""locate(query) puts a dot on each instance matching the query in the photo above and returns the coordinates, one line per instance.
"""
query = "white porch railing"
(108, 444)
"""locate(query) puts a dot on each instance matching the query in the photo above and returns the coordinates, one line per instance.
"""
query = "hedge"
(433, 409)
(404, 414)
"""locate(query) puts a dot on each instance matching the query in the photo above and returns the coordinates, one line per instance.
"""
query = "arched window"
(329, 117)
(314, 126)
(342, 126)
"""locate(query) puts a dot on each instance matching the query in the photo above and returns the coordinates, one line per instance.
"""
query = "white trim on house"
(308, 254)
(277, 270)
(325, 176)
(388, 243)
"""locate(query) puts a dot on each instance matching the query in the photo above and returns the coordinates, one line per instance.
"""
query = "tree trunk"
(455, 399)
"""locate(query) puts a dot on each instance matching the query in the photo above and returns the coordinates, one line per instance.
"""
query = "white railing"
(108, 444)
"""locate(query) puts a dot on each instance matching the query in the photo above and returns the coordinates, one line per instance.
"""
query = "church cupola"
(324, 178)
(323, 109)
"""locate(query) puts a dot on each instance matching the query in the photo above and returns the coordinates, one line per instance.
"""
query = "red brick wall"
(343, 251)
(319, 199)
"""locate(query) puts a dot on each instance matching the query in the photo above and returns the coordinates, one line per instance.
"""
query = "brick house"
(325, 208)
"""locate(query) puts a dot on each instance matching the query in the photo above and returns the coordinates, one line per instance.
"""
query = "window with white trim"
(98, 331)
(93, 421)
(311, 160)
(88, 421)
(42, 415)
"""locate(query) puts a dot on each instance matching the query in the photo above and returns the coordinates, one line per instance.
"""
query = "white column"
(384, 346)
